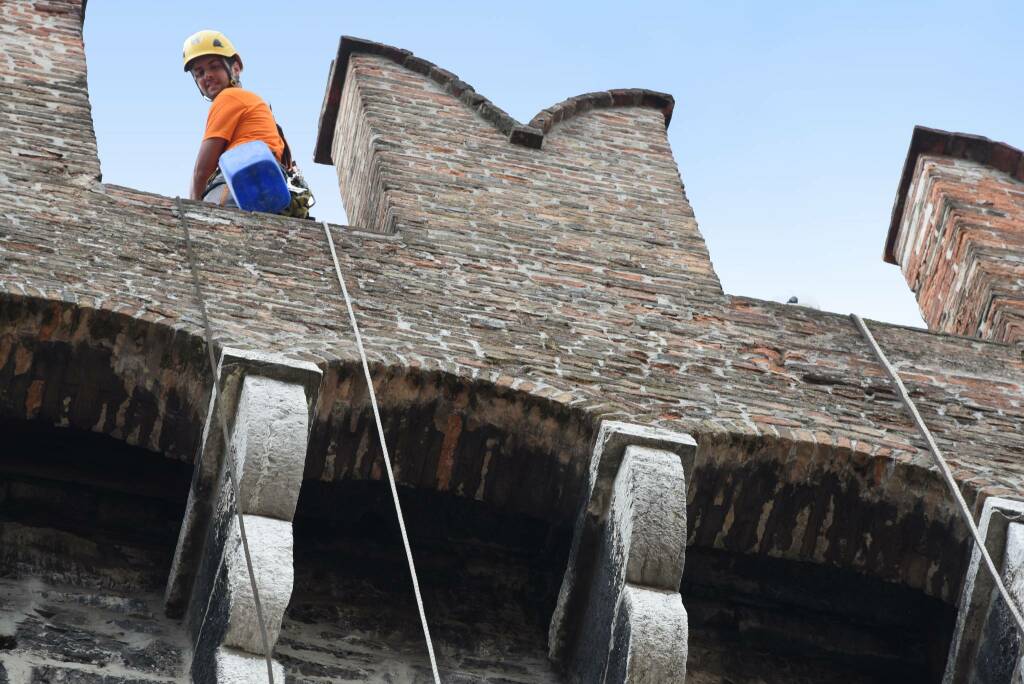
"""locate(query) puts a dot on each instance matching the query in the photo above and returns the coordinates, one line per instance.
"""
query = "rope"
(197, 286)
(387, 457)
(944, 469)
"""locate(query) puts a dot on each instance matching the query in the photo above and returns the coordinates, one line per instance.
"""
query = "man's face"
(211, 75)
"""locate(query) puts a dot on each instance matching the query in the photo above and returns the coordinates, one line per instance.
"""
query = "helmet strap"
(201, 90)
(233, 81)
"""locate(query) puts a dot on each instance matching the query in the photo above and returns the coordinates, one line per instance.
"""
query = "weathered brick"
(522, 292)
(958, 233)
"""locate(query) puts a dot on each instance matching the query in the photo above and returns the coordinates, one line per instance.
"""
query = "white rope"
(197, 286)
(387, 457)
(944, 469)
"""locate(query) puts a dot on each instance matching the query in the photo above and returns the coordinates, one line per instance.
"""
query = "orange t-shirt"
(240, 116)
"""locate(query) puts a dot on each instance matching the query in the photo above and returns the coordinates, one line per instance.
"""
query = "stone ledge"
(610, 449)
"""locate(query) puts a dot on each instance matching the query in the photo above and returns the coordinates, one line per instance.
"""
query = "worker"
(236, 116)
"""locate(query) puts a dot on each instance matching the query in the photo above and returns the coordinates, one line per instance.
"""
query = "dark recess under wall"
(752, 618)
(94, 486)
(447, 533)
(488, 576)
(768, 620)
(489, 580)
(88, 526)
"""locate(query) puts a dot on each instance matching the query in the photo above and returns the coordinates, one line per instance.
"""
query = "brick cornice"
(546, 119)
(932, 141)
(528, 135)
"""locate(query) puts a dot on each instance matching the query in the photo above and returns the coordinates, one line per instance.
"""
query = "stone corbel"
(986, 645)
(268, 402)
(619, 616)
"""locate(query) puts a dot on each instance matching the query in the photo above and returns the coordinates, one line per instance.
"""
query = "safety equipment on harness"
(302, 196)
(206, 42)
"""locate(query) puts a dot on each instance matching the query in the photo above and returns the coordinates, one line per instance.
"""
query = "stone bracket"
(231, 666)
(222, 615)
(267, 403)
(986, 645)
(629, 541)
(649, 637)
(236, 365)
(610, 448)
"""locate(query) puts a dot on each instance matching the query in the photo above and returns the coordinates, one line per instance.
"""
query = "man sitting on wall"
(236, 116)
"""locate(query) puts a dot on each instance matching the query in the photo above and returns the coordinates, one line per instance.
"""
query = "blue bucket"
(255, 178)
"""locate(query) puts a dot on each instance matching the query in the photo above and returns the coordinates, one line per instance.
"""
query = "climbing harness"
(198, 290)
(947, 475)
(302, 196)
(384, 449)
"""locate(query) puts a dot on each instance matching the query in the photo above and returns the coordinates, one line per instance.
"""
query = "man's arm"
(206, 162)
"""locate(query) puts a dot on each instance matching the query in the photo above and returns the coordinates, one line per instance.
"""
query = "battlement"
(529, 135)
(520, 288)
(417, 149)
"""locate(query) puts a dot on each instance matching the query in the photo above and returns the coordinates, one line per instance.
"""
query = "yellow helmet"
(206, 42)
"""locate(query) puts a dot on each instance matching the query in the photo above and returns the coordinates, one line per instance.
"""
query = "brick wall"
(958, 234)
(44, 83)
(587, 211)
(510, 297)
(598, 201)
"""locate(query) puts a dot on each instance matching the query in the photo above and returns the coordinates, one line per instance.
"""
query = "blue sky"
(791, 125)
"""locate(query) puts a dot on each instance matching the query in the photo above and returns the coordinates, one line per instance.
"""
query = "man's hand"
(206, 163)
